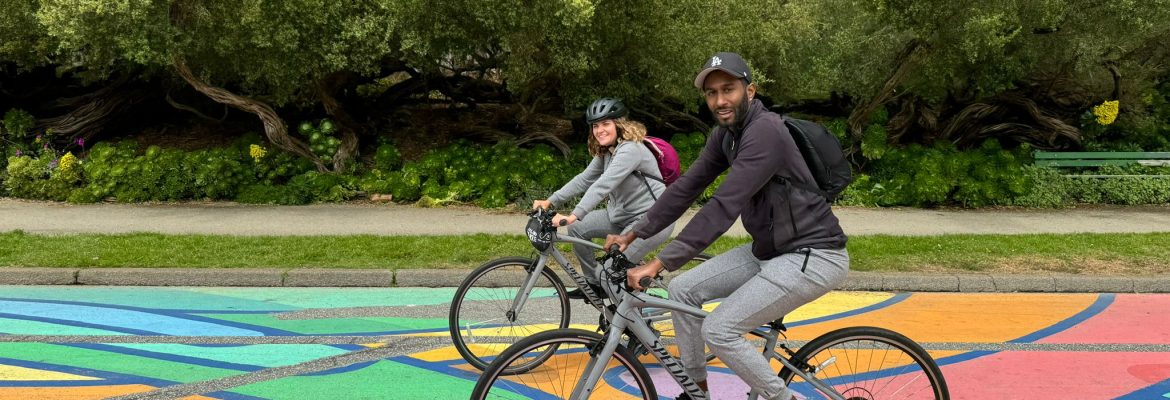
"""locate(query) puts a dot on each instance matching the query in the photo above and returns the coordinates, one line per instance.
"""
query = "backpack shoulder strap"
(801, 185)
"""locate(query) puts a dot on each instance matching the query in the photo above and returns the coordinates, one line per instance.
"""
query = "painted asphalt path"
(79, 342)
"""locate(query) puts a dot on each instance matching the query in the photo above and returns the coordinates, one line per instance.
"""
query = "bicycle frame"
(632, 322)
(552, 251)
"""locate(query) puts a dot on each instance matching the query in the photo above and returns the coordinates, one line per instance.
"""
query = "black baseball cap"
(728, 62)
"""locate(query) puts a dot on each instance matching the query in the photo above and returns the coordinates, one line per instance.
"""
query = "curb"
(323, 277)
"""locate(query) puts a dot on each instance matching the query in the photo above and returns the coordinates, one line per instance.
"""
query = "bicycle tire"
(568, 364)
(849, 352)
(483, 299)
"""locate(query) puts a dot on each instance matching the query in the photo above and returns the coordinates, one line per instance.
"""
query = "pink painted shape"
(722, 385)
(1055, 375)
(1132, 318)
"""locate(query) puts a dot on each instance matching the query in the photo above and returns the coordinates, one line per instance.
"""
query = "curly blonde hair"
(627, 130)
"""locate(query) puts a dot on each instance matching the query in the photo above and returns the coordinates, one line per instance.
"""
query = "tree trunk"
(350, 129)
(861, 114)
(274, 127)
(89, 113)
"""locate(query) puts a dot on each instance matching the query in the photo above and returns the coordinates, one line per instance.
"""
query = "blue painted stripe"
(898, 298)
(203, 362)
(1103, 302)
(262, 330)
(171, 324)
(80, 324)
(176, 311)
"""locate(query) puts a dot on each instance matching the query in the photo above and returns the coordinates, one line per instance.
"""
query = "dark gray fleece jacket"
(779, 216)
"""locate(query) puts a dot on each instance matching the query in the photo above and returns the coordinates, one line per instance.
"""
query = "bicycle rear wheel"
(624, 377)
(480, 320)
(867, 363)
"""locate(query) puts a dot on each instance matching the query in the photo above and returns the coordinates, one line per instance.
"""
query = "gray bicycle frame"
(542, 262)
(594, 299)
(632, 321)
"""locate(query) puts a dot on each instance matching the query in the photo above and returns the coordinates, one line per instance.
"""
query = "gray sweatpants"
(598, 225)
(756, 292)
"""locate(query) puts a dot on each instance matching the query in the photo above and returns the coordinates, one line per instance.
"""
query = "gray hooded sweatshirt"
(613, 175)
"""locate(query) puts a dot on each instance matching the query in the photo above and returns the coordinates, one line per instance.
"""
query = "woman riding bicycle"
(619, 159)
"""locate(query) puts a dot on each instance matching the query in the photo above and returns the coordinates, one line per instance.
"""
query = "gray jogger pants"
(756, 292)
(598, 225)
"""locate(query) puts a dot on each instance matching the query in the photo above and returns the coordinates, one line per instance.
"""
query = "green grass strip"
(1073, 253)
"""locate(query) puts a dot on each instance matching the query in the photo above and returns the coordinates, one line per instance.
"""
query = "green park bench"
(1071, 159)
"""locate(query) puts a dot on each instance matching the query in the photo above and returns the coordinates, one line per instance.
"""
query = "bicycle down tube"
(629, 312)
(542, 262)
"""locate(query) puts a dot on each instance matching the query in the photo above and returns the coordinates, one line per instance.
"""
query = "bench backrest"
(1100, 158)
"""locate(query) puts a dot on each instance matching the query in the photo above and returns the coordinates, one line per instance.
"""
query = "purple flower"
(81, 142)
(18, 153)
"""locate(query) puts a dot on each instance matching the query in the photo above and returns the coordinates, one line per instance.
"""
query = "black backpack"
(822, 152)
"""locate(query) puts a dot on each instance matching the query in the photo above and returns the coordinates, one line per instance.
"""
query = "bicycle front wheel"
(624, 377)
(867, 363)
(482, 322)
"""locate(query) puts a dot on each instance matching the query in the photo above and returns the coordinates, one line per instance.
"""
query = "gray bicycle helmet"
(605, 108)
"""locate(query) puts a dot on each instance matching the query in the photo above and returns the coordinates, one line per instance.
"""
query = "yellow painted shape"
(71, 393)
(14, 373)
(829, 304)
(836, 302)
(963, 317)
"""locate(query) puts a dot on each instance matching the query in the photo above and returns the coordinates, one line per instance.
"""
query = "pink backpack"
(667, 158)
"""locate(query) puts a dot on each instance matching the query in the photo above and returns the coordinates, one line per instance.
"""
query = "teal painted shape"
(175, 298)
(338, 297)
(382, 380)
(22, 327)
(265, 355)
(335, 326)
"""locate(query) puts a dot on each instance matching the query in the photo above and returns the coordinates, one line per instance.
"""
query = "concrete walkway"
(224, 218)
(393, 219)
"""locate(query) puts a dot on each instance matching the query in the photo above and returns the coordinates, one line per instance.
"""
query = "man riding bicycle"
(797, 252)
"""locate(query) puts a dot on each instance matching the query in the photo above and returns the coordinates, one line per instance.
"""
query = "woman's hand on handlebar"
(541, 204)
(622, 240)
(636, 275)
(564, 220)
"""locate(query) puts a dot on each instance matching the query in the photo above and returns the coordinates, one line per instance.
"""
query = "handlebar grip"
(645, 282)
(614, 247)
(562, 222)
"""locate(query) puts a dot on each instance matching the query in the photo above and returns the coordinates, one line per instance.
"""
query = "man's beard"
(740, 113)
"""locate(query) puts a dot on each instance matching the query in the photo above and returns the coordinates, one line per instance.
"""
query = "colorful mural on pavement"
(1068, 331)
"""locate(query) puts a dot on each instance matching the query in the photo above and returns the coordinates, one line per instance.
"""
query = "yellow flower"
(67, 162)
(1107, 112)
(257, 152)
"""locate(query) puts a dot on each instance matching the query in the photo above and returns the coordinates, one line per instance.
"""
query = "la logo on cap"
(715, 61)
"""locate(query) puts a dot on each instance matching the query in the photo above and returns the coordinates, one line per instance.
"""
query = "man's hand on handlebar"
(623, 240)
(541, 204)
(564, 220)
(639, 277)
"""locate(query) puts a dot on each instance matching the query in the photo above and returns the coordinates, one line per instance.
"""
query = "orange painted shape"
(963, 317)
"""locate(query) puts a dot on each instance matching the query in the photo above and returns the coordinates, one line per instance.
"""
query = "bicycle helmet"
(605, 108)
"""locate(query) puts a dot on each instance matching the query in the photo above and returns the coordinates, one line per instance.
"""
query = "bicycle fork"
(599, 358)
(522, 295)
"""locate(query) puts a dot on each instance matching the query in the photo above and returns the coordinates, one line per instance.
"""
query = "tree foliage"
(959, 71)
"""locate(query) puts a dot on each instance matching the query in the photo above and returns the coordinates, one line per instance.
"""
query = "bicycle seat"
(778, 325)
